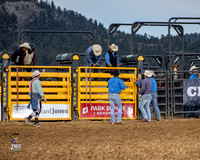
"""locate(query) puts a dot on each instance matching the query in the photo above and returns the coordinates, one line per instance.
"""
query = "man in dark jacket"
(93, 55)
(18, 56)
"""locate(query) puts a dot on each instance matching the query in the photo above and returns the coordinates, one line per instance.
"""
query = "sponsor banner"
(48, 111)
(191, 92)
(98, 110)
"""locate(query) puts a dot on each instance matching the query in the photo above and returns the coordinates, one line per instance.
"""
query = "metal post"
(4, 88)
(75, 87)
(139, 74)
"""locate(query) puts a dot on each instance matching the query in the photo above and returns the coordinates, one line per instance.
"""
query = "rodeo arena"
(75, 122)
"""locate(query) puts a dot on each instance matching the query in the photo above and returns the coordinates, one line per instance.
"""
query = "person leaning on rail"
(112, 59)
(93, 55)
(29, 58)
(36, 93)
(18, 56)
(194, 75)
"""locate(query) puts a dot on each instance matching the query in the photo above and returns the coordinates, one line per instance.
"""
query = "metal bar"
(17, 88)
(142, 23)
(88, 33)
(86, 80)
(90, 84)
(113, 27)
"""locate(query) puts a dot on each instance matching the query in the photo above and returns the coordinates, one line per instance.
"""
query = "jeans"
(191, 108)
(114, 98)
(155, 105)
(144, 106)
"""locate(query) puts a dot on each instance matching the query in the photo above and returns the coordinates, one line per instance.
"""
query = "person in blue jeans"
(194, 75)
(154, 95)
(115, 85)
(145, 92)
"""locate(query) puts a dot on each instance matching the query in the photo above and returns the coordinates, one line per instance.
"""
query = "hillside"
(17, 15)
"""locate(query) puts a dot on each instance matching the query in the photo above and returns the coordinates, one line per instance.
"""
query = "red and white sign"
(98, 110)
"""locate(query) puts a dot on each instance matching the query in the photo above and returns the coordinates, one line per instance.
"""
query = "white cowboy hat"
(147, 73)
(193, 67)
(114, 47)
(97, 49)
(152, 72)
(25, 45)
(35, 73)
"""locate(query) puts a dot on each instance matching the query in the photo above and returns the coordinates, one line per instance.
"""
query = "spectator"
(145, 93)
(18, 56)
(93, 55)
(154, 95)
(194, 75)
(29, 58)
(194, 71)
(115, 85)
(36, 93)
(111, 56)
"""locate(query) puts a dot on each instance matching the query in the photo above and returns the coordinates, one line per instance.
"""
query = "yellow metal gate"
(93, 92)
(56, 84)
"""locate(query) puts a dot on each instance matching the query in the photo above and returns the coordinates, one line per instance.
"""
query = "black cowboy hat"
(114, 72)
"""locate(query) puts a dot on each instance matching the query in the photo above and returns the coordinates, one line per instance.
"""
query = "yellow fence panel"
(93, 93)
(56, 84)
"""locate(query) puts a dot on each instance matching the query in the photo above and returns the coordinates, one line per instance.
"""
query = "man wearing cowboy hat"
(115, 85)
(154, 95)
(194, 75)
(36, 93)
(145, 92)
(93, 55)
(111, 56)
(18, 56)
(194, 71)
(30, 57)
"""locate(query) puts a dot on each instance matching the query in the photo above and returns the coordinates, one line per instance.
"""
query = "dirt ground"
(168, 139)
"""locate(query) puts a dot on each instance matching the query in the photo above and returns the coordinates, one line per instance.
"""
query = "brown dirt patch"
(168, 139)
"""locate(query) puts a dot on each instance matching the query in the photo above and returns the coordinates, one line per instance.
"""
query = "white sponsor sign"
(193, 91)
(48, 111)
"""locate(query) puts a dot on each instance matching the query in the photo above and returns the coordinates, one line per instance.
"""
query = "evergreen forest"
(17, 16)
